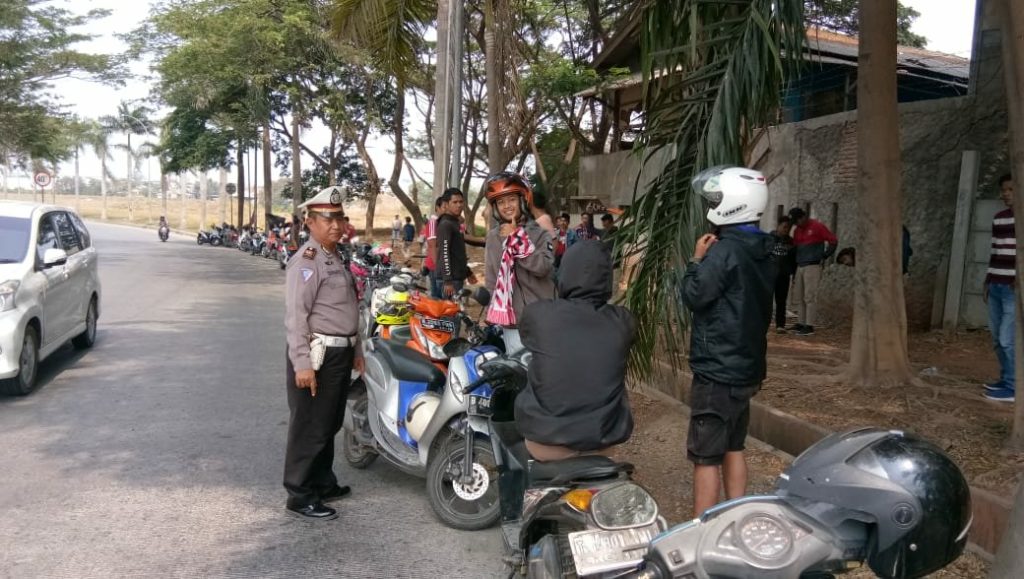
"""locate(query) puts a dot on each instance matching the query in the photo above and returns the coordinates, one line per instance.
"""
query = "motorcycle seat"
(408, 365)
(577, 468)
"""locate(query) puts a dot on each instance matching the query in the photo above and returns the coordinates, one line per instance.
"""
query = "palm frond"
(713, 73)
(391, 31)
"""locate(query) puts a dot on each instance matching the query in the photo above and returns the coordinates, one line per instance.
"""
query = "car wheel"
(87, 338)
(28, 367)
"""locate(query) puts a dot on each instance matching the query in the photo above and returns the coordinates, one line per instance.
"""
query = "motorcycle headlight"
(624, 506)
(7, 291)
(456, 385)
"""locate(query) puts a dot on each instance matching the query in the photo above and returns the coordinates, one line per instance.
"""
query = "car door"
(77, 269)
(56, 296)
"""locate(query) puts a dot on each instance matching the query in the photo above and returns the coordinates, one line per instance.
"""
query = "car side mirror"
(53, 257)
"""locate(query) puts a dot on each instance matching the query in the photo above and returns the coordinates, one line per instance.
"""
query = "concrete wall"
(613, 177)
(815, 162)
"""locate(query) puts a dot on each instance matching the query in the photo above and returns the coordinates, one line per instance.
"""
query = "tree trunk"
(163, 194)
(240, 158)
(78, 202)
(373, 187)
(396, 171)
(332, 160)
(878, 346)
(103, 185)
(1013, 65)
(494, 104)
(222, 192)
(182, 219)
(268, 178)
(296, 172)
(202, 197)
(1010, 556)
(128, 180)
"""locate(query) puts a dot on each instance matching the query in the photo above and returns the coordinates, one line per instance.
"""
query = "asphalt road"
(159, 452)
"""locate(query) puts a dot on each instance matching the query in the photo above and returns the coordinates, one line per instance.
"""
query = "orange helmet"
(507, 183)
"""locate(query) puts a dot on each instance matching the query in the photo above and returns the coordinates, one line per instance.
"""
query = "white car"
(49, 289)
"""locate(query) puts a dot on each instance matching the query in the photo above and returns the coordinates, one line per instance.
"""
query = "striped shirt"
(1002, 265)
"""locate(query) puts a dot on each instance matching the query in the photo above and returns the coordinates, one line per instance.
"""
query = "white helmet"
(737, 195)
(421, 410)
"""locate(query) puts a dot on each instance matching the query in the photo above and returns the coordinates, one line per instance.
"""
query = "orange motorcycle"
(434, 323)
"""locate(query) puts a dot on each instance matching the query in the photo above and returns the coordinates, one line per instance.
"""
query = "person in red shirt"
(350, 230)
(814, 244)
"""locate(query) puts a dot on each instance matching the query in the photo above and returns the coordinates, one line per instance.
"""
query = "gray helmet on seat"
(913, 495)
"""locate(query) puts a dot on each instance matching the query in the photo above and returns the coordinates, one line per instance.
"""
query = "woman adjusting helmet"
(508, 185)
(735, 194)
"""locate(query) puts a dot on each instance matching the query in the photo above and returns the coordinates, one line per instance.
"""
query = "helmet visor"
(707, 185)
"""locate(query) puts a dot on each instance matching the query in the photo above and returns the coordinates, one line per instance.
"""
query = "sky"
(947, 24)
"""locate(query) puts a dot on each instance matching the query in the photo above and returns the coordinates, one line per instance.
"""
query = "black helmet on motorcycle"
(911, 493)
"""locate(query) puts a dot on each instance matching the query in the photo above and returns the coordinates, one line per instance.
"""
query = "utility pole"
(455, 51)
(442, 103)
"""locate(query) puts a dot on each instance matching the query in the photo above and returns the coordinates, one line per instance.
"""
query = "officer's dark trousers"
(314, 422)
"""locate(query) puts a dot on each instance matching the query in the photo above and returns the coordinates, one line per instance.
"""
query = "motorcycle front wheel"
(356, 454)
(466, 505)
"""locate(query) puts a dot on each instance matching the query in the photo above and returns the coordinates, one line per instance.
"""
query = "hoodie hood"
(586, 273)
(755, 242)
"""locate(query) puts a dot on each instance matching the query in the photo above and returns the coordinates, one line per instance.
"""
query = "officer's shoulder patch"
(306, 274)
(310, 253)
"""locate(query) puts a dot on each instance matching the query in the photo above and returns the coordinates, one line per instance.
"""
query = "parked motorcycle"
(889, 499)
(582, 516)
(211, 237)
(405, 409)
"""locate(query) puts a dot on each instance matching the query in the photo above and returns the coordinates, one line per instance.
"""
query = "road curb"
(792, 435)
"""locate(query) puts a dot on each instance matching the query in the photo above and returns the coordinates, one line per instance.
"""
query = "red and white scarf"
(517, 246)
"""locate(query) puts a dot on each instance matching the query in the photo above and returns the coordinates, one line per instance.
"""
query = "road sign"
(42, 179)
(230, 188)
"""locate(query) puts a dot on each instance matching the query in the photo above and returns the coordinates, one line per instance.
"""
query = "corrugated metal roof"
(828, 43)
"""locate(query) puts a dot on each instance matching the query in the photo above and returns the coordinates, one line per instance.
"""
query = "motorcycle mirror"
(465, 292)
(457, 347)
(482, 296)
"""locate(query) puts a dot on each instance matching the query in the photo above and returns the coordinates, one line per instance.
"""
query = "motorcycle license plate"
(479, 405)
(436, 324)
(600, 551)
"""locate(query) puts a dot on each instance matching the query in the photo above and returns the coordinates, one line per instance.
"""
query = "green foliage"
(844, 16)
(733, 71)
(37, 46)
(391, 31)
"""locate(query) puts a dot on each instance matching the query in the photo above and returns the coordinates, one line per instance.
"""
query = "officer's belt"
(336, 341)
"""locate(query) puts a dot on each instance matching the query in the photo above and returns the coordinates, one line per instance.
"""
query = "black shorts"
(719, 416)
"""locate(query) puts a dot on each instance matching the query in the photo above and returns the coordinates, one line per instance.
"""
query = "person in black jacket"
(728, 287)
(452, 264)
(576, 401)
(785, 259)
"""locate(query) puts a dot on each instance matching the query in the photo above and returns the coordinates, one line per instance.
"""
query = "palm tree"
(78, 134)
(131, 121)
(731, 70)
(98, 138)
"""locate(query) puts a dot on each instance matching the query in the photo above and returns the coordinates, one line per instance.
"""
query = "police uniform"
(321, 304)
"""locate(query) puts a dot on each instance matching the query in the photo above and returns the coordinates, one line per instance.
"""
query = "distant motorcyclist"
(163, 230)
(576, 401)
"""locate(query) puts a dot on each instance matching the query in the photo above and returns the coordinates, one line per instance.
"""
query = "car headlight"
(623, 507)
(7, 291)
(456, 385)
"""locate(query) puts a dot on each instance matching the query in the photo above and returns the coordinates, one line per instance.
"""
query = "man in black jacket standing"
(728, 286)
(452, 263)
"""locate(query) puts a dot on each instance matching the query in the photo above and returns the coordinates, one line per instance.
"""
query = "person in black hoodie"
(576, 401)
(728, 287)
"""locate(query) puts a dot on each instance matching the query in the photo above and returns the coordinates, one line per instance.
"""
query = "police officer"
(322, 323)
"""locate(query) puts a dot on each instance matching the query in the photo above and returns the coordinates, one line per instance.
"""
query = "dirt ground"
(658, 450)
(947, 406)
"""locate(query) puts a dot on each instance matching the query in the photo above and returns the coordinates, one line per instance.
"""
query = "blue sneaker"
(1002, 395)
(1000, 385)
